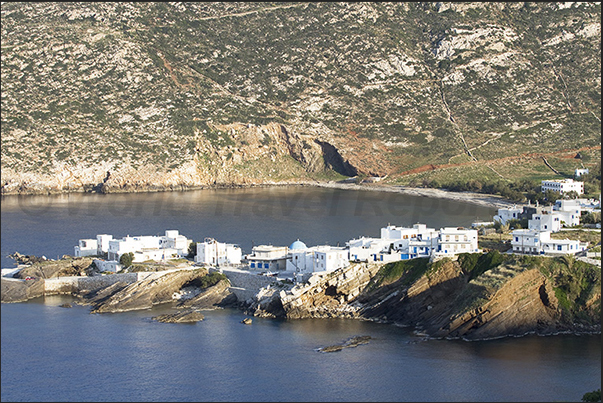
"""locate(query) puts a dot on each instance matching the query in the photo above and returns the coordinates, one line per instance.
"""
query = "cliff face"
(155, 96)
(444, 299)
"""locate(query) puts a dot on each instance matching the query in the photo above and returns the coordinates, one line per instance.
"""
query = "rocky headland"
(474, 297)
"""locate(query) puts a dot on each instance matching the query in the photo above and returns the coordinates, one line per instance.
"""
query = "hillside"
(142, 96)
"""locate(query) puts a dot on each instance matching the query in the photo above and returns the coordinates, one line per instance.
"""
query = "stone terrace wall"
(74, 284)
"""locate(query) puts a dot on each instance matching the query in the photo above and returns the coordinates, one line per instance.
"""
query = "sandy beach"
(487, 200)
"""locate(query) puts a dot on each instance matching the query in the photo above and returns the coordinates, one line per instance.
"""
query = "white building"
(527, 240)
(171, 245)
(579, 172)
(86, 247)
(545, 221)
(562, 186)
(534, 242)
(107, 265)
(365, 248)
(303, 261)
(102, 242)
(93, 247)
(452, 240)
(212, 252)
(508, 213)
(570, 211)
(268, 257)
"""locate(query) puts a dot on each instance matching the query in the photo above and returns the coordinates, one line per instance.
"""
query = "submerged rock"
(246, 321)
(180, 317)
(66, 305)
(351, 342)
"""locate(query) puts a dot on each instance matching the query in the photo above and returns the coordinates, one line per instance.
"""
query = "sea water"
(51, 353)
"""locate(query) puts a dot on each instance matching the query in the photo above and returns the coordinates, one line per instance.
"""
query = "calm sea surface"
(51, 353)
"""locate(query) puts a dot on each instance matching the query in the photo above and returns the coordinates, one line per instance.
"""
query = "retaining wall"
(75, 284)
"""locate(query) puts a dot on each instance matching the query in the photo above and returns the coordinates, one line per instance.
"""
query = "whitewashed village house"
(508, 213)
(93, 247)
(402, 243)
(268, 257)
(534, 242)
(452, 241)
(212, 252)
(171, 245)
(303, 261)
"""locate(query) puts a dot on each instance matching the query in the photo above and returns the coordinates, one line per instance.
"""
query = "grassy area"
(592, 237)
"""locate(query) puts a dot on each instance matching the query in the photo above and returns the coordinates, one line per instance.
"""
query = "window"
(266, 265)
(516, 239)
(558, 247)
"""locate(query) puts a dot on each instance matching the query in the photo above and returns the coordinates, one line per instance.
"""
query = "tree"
(594, 396)
(192, 249)
(126, 260)
(550, 196)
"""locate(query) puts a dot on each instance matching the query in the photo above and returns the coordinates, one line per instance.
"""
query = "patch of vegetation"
(575, 282)
(476, 264)
(407, 270)
(206, 281)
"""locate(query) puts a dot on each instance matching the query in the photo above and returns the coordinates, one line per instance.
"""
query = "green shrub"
(126, 260)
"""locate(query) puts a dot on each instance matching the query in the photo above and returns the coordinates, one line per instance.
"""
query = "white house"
(562, 186)
(329, 258)
(535, 242)
(171, 245)
(212, 252)
(303, 261)
(365, 248)
(579, 172)
(93, 247)
(569, 210)
(562, 246)
(86, 247)
(545, 221)
(107, 265)
(268, 257)
(452, 240)
(508, 213)
(102, 242)
(528, 240)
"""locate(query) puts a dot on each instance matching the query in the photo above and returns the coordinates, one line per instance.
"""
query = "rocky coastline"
(445, 299)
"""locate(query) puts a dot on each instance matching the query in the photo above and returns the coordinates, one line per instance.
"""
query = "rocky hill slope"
(141, 96)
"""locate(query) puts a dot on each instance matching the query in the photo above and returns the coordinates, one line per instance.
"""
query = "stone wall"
(75, 284)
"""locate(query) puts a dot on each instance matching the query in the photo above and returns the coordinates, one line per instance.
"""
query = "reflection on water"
(52, 225)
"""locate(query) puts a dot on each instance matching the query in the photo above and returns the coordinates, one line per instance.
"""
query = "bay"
(50, 353)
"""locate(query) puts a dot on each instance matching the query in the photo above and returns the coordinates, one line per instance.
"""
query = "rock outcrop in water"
(191, 290)
(188, 316)
(21, 290)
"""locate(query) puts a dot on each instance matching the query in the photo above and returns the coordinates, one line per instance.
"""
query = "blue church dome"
(298, 245)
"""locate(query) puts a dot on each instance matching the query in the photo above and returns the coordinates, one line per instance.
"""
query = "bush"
(126, 260)
(594, 396)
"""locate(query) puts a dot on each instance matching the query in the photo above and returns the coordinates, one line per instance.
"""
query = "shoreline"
(482, 199)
